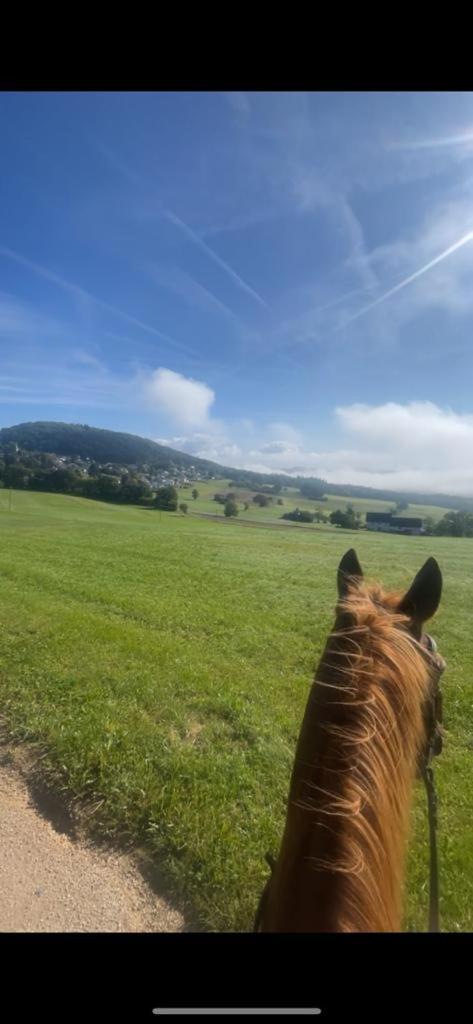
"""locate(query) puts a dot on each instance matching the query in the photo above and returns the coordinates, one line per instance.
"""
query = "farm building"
(386, 522)
(378, 520)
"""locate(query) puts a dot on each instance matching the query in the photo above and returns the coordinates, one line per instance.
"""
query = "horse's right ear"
(349, 572)
(423, 597)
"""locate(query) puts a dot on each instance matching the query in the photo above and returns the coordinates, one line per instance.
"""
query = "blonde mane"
(349, 805)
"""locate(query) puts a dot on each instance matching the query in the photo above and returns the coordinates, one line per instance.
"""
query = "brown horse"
(366, 735)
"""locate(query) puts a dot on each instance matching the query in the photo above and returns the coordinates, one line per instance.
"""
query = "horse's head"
(372, 717)
(412, 610)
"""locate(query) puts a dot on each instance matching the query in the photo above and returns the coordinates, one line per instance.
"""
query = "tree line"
(452, 524)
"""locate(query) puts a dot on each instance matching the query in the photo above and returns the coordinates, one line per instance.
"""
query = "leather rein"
(433, 748)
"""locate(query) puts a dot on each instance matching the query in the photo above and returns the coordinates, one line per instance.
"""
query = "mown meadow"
(162, 664)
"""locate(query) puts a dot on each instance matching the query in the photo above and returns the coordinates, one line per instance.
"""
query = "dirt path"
(52, 883)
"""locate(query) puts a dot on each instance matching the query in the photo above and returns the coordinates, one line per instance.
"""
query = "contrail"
(81, 293)
(408, 280)
(171, 216)
(449, 140)
(213, 255)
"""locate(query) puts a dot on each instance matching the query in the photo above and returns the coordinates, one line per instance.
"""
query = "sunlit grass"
(165, 660)
(291, 499)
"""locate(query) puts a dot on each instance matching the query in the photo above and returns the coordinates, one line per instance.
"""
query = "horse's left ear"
(349, 571)
(423, 597)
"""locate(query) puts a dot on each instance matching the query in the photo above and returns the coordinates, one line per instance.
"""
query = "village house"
(387, 522)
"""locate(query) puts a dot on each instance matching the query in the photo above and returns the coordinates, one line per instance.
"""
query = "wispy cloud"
(462, 139)
(120, 165)
(80, 293)
(87, 359)
(185, 229)
(187, 288)
(464, 240)
(244, 221)
(18, 318)
(195, 238)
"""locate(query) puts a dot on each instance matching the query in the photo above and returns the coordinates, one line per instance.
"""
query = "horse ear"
(349, 571)
(423, 597)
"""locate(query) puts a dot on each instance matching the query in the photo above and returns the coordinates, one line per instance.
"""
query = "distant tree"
(65, 481)
(231, 507)
(299, 516)
(220, 498)
(401, 506)
(429, 525)
(102, 488)
(15, 476)
(455, 524)
(45, 460)
(133, 491)
(262, 500)
(10, 453)
(337, 517)
(195, 494)
(280, 501)
(166, 498)
(183, 507)
(246, 506)
(348, 520)
(312, 489)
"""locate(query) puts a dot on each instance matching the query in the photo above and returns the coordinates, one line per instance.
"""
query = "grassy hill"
(103, 446)
(290, 498)
(94, 443)
(162, 663)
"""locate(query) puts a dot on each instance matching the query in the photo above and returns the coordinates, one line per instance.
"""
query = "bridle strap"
(428, 777)
(434, 916)
(264, 895)
(434, 747)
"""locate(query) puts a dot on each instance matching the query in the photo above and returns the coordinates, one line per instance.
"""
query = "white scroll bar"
(241, 1011)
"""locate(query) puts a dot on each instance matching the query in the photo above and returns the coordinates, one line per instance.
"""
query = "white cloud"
(435, 265)
(274, 448)
(417, 447)
(80, 355)
(215, 447)
(186, 401)
(280, 431)
(422, 424)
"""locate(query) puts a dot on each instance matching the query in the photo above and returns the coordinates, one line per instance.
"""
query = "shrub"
(299, 516)
(231, 507)
(166, 498)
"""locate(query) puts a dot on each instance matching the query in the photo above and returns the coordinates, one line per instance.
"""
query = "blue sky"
(272, 280)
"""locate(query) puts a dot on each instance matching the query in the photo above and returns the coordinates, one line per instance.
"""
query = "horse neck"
(341, 864)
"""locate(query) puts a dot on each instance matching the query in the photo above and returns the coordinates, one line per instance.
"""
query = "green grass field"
(164, 663)
(291, 498)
